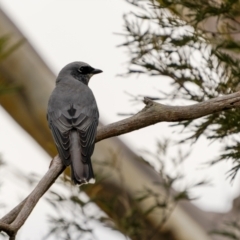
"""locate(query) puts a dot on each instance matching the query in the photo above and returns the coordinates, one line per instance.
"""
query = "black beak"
(96, 71)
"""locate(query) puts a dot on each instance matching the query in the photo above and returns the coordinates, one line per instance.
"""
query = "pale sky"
(63, 31)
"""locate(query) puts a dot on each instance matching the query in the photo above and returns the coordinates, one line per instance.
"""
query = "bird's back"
(73, 119)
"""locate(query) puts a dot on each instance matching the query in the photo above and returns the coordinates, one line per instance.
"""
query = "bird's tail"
(81, 168)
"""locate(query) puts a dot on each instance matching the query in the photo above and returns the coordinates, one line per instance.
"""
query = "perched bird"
(73, 119)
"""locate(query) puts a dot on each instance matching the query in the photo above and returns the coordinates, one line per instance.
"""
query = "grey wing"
(61, 124)
(60, 131)
(86, 122)
(87, 139)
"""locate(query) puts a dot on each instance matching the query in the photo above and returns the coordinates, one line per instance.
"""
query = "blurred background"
(160, 182)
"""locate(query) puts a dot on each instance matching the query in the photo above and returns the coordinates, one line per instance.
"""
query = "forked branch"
(151, 114)
(154, 113)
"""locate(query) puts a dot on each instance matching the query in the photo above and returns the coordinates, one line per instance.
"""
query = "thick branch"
(154, 113)
(151, 114)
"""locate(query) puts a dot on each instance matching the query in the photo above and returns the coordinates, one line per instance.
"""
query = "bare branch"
(10, 217)
(7, 228)
(46, 182)
(152, 113)
(13, 221)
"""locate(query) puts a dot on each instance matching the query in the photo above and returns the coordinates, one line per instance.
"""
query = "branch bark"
(14, 220)
(151, 114)
(154, 113)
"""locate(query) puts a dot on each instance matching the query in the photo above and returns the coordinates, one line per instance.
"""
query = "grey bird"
(73, 119)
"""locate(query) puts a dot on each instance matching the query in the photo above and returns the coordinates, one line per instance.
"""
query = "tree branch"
(151, 114)
(154, 113)
(9, 218)
(7, 228)
(14, 220)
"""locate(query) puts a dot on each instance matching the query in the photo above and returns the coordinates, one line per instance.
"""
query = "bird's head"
(80, 71)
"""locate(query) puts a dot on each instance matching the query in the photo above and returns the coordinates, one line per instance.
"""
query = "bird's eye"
(81, 69)
(85, 69)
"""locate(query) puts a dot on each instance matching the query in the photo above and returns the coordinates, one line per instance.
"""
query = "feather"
(73, 120)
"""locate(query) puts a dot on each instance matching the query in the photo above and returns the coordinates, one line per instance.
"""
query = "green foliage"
(200, 63)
